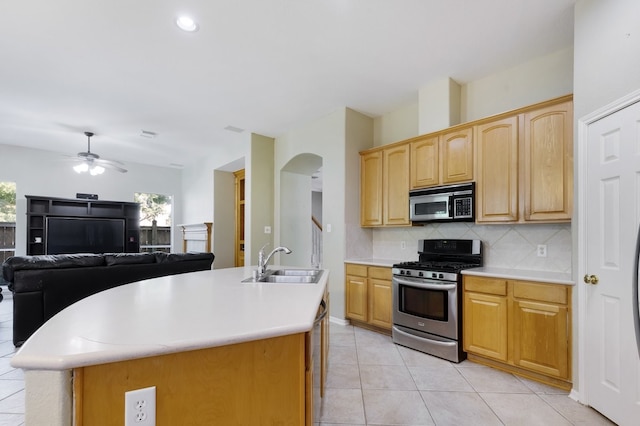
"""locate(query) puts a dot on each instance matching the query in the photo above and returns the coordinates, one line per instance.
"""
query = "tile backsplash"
(504, 246)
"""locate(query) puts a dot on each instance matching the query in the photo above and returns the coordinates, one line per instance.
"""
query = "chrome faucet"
(262, 261)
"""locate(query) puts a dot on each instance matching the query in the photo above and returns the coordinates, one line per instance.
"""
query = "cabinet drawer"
(542, 292)
(359, 270)
(486, 285)
(380, 273)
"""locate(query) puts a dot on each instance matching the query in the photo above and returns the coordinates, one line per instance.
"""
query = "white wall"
(337, 138)
(606, 64)
(44, 173)
(534, 81)
(200, 199)
(607, 52)
(224, 219)
(259, 193)
(396, 125)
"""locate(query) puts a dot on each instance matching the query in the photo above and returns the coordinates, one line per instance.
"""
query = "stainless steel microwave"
(443, 203)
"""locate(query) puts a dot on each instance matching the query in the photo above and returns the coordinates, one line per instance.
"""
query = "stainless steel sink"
(289, 276)
(296, 272)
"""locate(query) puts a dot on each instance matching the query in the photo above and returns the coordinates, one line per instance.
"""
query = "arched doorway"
(300, 201)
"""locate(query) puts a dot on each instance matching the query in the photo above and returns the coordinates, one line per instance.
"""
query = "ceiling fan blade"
(109, 164)
(105, 161)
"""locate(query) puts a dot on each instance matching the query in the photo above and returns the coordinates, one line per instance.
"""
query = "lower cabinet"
(485, 318)
(368, 295)
(520, 326)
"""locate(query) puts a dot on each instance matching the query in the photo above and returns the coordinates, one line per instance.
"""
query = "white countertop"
(374, 262)
(170, 314)
(521, 274)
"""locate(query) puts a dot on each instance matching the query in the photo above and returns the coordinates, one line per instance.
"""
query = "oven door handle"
(446, 344)
(425, 285)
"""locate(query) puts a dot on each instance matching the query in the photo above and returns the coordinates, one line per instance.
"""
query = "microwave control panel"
(463, 207)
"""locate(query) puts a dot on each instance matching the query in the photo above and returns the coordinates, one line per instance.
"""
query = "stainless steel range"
(427, 305)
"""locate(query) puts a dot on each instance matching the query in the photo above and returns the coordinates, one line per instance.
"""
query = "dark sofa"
(44, 285)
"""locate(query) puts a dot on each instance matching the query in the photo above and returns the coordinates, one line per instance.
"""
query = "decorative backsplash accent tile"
(505, 246)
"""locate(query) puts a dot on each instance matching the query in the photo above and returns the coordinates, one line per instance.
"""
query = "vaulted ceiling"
(121, 68)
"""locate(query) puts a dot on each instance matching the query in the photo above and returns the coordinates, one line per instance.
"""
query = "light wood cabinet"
(442, 159)
(541, 328)
(519, 326)
(368, 295)
(395, 181)
(485, 313)
(425, 160)
(208, 386)
(456, 159)
(371, 189)
(548, 163)
(525, 166)
(497, 172)
(384, 187)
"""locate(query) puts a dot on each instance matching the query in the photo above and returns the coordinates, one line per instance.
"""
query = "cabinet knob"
(591, 279)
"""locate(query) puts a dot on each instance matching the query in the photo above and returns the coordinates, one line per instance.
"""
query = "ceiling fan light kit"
(92, 163)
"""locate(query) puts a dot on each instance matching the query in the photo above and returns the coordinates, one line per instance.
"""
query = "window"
(7, 221)
(155, 221)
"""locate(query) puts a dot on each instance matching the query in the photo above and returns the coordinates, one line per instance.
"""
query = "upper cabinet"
(371, 189)
(497, 176)
(525, 166)
(548, 163)
(395, 185)
(384, 187)
(522, 162)
(425, 158)
(456, 157)
(442, 159)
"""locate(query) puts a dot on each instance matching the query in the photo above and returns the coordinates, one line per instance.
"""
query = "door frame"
(581, 393)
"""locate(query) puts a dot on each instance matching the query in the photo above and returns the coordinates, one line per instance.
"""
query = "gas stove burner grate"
(443, 266)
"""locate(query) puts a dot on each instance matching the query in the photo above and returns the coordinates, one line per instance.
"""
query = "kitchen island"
(219, 351)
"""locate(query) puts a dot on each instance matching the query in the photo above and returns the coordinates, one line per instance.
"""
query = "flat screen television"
(84, 235)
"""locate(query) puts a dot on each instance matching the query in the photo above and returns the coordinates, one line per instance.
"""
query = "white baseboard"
(339, 321)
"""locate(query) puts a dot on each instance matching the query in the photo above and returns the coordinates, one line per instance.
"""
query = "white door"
(612, 211)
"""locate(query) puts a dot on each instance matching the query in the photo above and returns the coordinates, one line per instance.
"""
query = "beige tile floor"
(371, 381)
(11, 379)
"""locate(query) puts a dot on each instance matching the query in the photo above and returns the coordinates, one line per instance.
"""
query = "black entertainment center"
(60, 225)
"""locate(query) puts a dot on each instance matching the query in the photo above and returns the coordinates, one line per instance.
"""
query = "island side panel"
(258, 382)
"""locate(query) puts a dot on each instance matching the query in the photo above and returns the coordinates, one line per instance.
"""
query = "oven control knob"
(434, 275)
(420, 274)
(441, 276)
(401, 272)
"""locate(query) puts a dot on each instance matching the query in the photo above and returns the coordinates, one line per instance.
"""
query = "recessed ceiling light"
(185, 23)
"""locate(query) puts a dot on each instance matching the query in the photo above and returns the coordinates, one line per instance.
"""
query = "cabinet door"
(371, 189)
(497, 173)
(424, 163)
(395, 181)
(456, 156)
(485, 325)
(356, 298)
(540, 338)
(548, 163)
(380, 303)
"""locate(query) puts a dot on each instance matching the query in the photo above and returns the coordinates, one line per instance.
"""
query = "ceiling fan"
(92, 163)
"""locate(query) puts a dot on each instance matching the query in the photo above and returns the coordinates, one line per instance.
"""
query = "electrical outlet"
(140, 407)
(403, 245)
(542, 250)
(267, 229)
